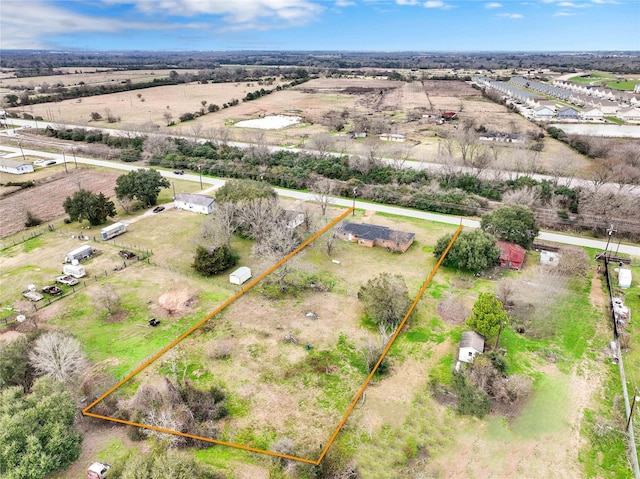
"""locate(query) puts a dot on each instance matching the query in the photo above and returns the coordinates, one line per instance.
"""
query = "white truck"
(97, 470)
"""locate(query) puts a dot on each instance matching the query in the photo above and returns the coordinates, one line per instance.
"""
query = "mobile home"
(80, 253)
(112, 231)
(74, 269)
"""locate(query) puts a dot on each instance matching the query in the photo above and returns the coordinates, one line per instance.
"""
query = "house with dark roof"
(197, 203)
(511, 255)
(374, 235)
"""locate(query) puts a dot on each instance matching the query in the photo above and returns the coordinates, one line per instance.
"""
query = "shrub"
(32, 220)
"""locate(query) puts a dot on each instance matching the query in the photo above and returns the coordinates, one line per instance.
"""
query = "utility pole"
(355, 192)
(64, 158)
(73, 150)
(610, 232)
(21, 151)
(633, 405)
(200, 171)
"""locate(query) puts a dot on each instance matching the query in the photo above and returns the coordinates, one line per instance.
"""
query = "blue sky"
(389, 25)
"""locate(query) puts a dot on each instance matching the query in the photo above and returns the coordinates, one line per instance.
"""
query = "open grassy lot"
(278, 389)
(611, 81)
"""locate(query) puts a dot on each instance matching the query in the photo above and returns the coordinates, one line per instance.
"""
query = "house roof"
(9, 163)
(200, 200)
(511, 254)
(374, 232)
(471, 339)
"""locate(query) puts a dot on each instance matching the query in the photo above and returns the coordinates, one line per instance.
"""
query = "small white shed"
(624, 278)
(471, 344)
(240, 275)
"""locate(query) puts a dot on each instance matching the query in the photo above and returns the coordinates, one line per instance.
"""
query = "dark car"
(178, 172)
(158, 209)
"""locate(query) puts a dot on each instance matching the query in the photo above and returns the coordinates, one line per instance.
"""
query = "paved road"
(213, 183)
(418, 165)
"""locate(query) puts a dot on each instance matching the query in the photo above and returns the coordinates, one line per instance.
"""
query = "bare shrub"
(527, 196)
(504, 292)
(453, 310)
(222, 349)
(573, 262)
(108, 298)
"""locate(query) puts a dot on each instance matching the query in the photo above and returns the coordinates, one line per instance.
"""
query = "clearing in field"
(281, 391)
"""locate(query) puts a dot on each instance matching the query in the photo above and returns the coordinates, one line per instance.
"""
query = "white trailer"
(112, 231)
(74, 269)
(240, 275)
(80, 253)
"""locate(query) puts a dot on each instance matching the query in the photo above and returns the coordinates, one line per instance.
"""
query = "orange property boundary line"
(86, 412)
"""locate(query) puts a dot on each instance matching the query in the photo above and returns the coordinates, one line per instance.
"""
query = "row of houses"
(591, 108)
(630, 98)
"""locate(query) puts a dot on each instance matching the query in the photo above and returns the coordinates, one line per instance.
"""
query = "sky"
(356, 25)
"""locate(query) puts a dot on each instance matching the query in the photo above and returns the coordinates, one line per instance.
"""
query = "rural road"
(418, 165)
(633, 250)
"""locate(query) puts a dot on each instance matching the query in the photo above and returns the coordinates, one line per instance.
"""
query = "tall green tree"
(87, 205)
(487, 315)
(211, 262)
(36, 430)
(14, 364)
(474, 251)
(385, 299)
(513, 223)
(143, 185)
(238, 191)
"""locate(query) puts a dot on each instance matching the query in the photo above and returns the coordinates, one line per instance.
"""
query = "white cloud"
(493, 5)
(407, 2)
(24, 27)
(433, 4)
(511, 15)
(345, 3)
(236, 12)
(563, 13)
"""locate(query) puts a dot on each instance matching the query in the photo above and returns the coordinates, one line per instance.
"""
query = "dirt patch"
(96, 437)
(9, 336)
(596, 296)
(176, 302)
(45, 200)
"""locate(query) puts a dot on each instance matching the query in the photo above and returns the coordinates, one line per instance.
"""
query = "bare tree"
(221, 225)
(259, 148)
(322, 143)
(157, 146)
(108, 298)
(256, 217)
(168, 117)
(362, 164)
(398, 156)
(527, 196)
(323, 188)
(504, 292)
(58, 356)
(372, 149)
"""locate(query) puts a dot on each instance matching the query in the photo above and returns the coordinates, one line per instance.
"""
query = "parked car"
(158, 209)
(178, 172)
(53, 290)
(68, 280)
(124, 254)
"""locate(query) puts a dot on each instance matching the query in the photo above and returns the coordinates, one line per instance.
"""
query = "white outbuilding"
(471, 344)
(624, 278)
(240, 275)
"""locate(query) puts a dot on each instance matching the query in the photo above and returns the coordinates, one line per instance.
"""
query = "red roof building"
(511, 255)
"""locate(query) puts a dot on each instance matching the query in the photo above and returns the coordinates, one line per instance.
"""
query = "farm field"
(386, 101)
(87, 76)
